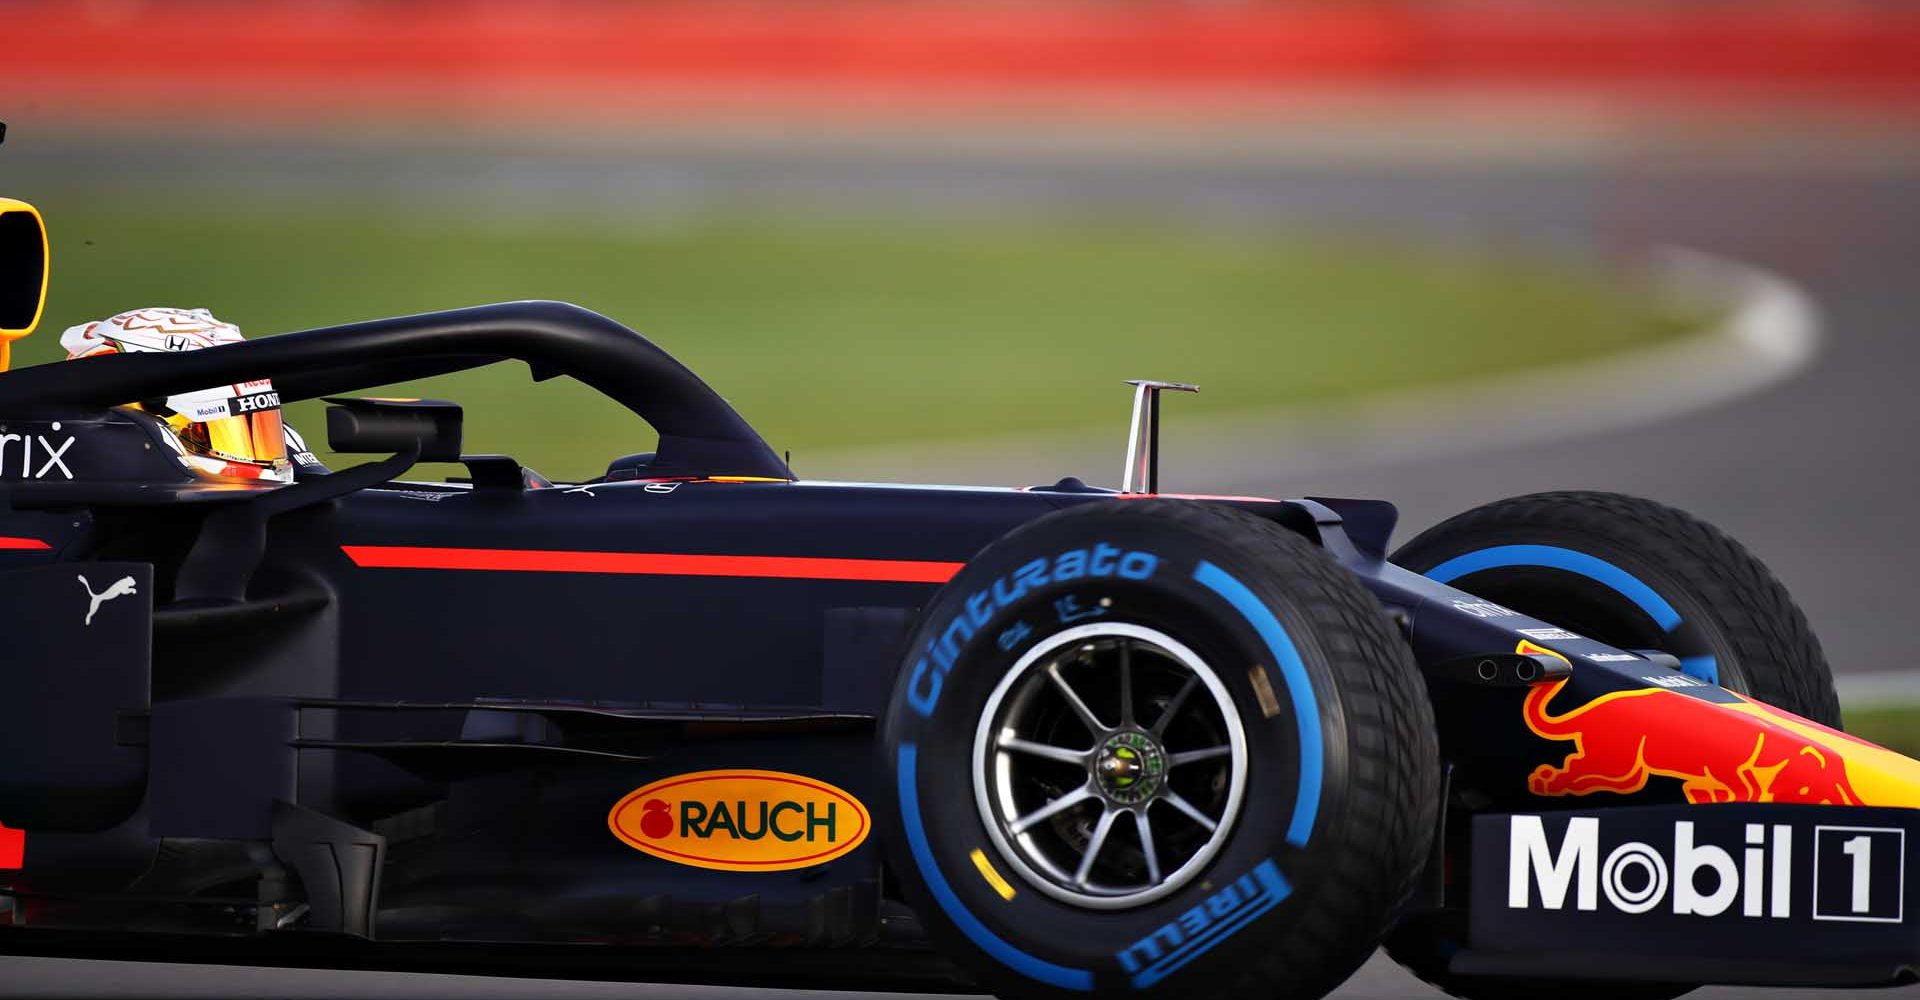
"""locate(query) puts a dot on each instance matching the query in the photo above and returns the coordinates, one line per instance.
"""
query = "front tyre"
(1158, 746)
(1637, 575)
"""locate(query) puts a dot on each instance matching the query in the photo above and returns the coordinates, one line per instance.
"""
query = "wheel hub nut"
(1130, 767)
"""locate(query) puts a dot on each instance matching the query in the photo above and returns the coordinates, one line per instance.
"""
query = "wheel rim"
(1109, 765)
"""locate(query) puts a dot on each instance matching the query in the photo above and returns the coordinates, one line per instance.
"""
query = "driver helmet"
(230, 432)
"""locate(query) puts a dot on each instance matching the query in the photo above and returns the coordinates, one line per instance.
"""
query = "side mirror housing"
(386, 426)
(23, 273)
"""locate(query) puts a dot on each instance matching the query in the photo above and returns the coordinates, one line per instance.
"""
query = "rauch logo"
(747, 821)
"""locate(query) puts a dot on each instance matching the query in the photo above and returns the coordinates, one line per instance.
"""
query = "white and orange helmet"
(229, 432)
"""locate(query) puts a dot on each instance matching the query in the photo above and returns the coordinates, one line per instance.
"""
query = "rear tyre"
(1637, 575)
(1162, 747)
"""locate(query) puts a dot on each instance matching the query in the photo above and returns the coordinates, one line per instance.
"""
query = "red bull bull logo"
(1720, 751)
(1719, 754)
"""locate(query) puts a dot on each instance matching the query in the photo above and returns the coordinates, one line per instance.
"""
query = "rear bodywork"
(356, 719)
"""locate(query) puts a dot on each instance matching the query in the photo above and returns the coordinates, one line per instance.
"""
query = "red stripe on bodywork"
(13, 849)
(1192, 496)
(23, 543)
(650, 564)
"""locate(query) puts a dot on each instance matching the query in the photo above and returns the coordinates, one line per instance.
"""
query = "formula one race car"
(699, 719)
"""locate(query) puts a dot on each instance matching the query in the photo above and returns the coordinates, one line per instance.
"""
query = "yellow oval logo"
(741, 821)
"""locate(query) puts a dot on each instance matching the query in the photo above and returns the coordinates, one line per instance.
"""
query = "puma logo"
(122, 587)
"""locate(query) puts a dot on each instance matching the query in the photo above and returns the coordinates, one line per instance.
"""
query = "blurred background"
(1437, 251)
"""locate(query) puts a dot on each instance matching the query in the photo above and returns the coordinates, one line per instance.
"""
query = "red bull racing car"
(701, 719)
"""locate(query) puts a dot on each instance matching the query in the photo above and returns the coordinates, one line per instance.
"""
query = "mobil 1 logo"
(1717, 883)
(1859, 873)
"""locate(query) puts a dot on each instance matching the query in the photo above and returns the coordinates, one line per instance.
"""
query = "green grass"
(1896, 727)
(832, 332)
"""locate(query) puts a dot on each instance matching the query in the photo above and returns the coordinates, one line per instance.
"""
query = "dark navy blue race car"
(700, 719)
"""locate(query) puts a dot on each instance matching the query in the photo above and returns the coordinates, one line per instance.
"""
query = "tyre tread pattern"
(1753, 609)
(1780, 658)
(1387, 817)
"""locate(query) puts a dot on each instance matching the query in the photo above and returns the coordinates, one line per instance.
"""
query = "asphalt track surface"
(1816, 475)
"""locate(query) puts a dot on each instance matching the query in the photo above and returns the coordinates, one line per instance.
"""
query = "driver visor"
(255, 437)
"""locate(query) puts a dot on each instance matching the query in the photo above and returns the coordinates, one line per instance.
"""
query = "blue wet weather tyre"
(1638, 575)
(1162, 748)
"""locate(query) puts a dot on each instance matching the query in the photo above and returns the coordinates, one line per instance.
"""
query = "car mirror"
(23, 273)
(366, 426)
